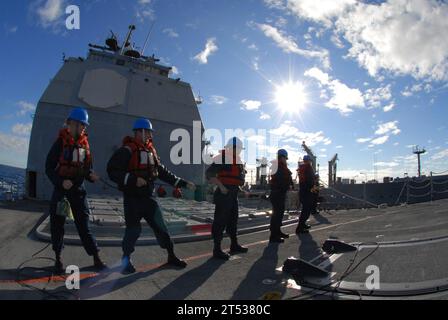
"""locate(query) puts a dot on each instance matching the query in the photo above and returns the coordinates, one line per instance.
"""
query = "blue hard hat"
(80, 115)
(307, 158)
(282, 153)
(142, 123)
(235, 142)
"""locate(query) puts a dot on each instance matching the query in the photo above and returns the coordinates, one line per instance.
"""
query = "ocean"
(12, 182)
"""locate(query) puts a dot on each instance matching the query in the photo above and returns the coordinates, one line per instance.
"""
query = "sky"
(365, 79)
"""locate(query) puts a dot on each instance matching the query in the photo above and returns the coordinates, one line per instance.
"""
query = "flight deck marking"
(155, 266)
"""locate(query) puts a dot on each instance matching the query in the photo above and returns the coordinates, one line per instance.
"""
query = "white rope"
(438, 192)
(420, 196)
(439, 183)
(401, 193)
(349, 196)
(440, 172)
(421, 187)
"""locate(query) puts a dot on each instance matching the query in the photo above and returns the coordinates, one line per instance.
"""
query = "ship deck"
(407, 243)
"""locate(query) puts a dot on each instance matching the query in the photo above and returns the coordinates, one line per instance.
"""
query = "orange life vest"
(231, 174)
(75, 159)
(144, 160)
(304, 173)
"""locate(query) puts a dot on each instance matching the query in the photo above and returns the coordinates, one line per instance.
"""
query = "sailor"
(135, 167)
(68, 164)
(280, 183)
(306, 184)
(228, 173)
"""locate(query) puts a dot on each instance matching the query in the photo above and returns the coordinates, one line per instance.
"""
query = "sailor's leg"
(133, 226)
(222, 211)
(56, 223)
(153, 216)
(81, 215)
(278, 210)
(306, 209)
(232, 219)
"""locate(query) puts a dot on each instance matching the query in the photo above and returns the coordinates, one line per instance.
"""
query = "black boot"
(98, 263)
(284, 235)
(276, 239)
(301, 230)
(236, 248)
(58, 266)
(126, 265)
(176, 262)
(219, 254)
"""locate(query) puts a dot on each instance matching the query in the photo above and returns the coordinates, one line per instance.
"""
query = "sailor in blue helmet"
(228, 173)
(134, 168)
(306, 185)
(280, 183)
(68, 164)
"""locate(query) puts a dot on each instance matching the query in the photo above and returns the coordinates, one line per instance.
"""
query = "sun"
(290, 97)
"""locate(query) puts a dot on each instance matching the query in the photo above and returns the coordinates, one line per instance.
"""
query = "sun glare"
(290, 97)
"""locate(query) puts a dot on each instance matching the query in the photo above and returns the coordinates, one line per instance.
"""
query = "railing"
(415, 191)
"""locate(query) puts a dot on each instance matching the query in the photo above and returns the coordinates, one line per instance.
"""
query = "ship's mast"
(419, 152)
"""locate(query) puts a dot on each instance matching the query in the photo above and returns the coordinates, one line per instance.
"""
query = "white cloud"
(440, 155)
(49, 13)
(375, 97)
(397, 37)
(289, 45)
(13, 143)
(319, 75)
(175, 70)
(389, 127)
(144, 11)
(322, 11)
(22, 129)
(264, 116)
(380, 140)
(389, 107)
(250, 105)
(210, 48)
(343, 98)
(363, 140)
(170, 32)
(288, 133)
(11, 29)
(216, 99)
(25, 107)
(403, 37)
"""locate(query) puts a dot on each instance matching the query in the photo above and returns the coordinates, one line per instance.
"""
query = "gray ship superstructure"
(116, 85)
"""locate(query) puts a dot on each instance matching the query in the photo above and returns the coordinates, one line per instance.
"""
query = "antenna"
(128, 38)
(147, 39)
(419, 152)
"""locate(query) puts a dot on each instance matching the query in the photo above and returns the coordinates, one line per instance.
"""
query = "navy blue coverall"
(139, 202)
(78, 202)
(280, 183)
(307, 198)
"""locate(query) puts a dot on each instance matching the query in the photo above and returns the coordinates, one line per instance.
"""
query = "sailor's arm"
(51, 164)
(167, 176)
(117, 169)
(211, 175)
